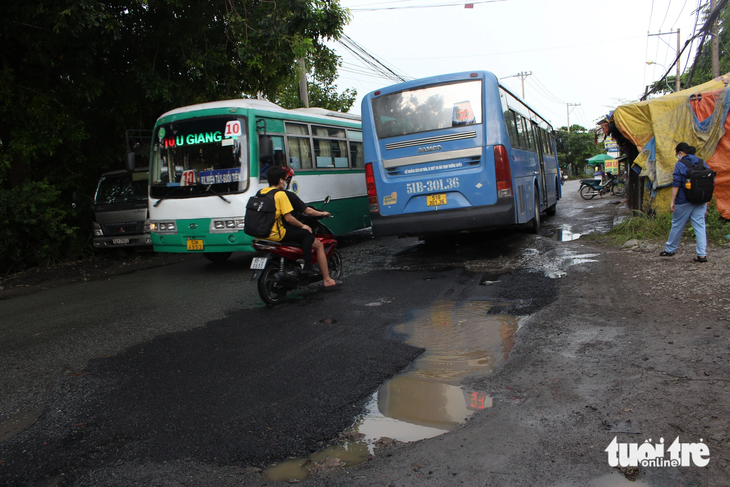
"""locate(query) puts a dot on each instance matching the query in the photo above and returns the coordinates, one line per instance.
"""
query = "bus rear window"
(428, 108)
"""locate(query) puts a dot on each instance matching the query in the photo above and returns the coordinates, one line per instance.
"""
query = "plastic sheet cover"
(698, 116)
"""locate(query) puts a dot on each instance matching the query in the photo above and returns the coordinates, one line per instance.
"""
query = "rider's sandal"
(664, 253)
(700, 259)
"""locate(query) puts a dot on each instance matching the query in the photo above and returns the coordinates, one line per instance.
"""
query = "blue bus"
(456, 153)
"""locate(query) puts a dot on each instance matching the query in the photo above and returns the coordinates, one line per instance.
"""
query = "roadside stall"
(698, 116)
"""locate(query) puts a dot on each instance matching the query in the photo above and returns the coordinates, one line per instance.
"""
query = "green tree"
(576, 147)
(322, 94)
(75, 74)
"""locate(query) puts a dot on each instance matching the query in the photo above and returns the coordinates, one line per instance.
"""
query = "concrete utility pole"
(568, 110)
(303, 93)
(678, 84)
(522, 75)
(715, 44)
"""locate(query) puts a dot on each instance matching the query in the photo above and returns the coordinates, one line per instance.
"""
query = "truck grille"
(123, 228)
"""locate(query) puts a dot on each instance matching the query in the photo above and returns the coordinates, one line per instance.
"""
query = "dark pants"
(303, 238)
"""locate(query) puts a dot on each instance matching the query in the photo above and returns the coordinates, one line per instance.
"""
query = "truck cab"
(120, 216)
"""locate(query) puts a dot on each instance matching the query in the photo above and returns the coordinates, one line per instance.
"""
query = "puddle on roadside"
(563, 234)
(12, 425)
(461, 340)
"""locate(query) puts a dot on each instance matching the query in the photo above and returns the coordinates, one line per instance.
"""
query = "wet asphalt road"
(183, 364)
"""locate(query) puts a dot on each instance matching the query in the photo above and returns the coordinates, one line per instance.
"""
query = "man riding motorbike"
(288, 229)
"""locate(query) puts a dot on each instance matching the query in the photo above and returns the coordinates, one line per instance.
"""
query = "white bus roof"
(322, 113)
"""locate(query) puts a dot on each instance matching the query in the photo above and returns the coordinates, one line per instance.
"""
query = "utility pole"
(568, 110)
(303, 94)
(522, 75)
(678, 84)
(715, 44)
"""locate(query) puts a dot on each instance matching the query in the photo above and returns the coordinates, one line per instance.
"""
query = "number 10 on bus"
(432, 185)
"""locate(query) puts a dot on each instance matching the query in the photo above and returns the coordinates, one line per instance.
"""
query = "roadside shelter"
(698, 116)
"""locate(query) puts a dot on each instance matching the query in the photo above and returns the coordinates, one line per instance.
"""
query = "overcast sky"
(579, 51)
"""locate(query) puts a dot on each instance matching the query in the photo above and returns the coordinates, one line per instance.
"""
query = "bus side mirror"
(131, 163)
(559, 144)
(266, 149)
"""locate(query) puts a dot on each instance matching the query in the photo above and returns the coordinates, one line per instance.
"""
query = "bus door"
(541, 161)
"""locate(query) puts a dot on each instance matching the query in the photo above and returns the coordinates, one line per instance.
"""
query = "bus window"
(522, 131)
(356, 154)
(509, 120)
(428, 108)
(329, 132)
(279, 157)
(530, 136)
(330, 153)
(300, 155)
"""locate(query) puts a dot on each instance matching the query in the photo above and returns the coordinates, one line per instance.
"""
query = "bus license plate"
(120, 241)
(436, 199)
(258, 263)
(195, 244)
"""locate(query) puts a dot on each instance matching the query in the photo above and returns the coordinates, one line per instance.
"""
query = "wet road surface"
(257, 385)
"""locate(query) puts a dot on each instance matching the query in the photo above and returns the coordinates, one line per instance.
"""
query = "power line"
(370, 61)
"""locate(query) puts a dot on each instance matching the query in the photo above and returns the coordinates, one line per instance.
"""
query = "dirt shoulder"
(634, 342)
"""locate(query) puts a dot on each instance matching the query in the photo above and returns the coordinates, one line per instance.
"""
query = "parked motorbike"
(279, 269)
(590, 188)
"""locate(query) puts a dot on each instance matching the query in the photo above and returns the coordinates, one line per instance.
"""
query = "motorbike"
(590, 188)
(279, 269)
(563, 178)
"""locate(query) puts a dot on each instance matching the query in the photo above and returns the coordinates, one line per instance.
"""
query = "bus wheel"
(269, 290)
(536, 218)
(217, 257)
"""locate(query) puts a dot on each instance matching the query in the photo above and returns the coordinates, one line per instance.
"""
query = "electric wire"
(669, 6)
(370, 62)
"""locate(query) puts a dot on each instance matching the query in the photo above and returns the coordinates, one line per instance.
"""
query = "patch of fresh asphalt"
(253, 388)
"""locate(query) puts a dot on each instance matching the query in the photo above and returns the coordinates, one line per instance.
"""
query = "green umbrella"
(600, 158)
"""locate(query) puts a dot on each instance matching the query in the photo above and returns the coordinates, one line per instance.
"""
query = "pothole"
(461, 340)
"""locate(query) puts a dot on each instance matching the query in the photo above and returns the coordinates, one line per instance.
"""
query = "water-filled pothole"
(461, 340)
(564, 234)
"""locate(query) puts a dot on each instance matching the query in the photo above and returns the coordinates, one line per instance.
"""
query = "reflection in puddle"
(461, 340)
(563, 234)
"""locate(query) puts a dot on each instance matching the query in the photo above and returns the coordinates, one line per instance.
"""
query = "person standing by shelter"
(682, 210)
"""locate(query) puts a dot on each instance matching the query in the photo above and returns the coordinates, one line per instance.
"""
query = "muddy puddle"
(563, 233)
(461, 340)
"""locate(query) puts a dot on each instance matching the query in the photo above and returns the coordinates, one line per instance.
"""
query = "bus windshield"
(121, 188)
(428, 108)
(200, 155)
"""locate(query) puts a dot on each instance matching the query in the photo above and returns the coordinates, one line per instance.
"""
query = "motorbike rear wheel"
(619, 189)
(334, 264)
(269, 290)
(587, 192)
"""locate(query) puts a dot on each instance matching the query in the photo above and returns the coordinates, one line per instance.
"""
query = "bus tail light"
(502, 171)
(372, 193)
